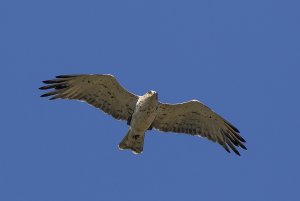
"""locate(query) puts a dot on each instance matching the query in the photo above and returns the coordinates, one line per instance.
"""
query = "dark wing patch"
(195, 118)
(100, 91)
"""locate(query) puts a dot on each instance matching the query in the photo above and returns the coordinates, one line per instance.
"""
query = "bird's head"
(153, 93)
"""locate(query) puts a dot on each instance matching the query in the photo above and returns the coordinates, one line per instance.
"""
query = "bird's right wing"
(101, 91)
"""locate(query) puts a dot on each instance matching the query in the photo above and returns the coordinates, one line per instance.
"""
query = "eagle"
(144, 112)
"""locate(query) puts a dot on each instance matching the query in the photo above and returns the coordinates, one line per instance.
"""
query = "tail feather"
(133, 141)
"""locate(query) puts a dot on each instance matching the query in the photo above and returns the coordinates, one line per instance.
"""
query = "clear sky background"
(241, 58)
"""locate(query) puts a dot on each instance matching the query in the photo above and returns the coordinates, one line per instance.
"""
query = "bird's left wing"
(101, 91)
(195, 118)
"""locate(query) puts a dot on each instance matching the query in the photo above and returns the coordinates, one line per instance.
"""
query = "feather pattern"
(100, 91)
(104, 92)
(195, 118)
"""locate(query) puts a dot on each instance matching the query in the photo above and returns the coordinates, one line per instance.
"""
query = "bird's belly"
(142, 119)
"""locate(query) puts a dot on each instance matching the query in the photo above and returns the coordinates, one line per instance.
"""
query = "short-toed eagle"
(144, 112)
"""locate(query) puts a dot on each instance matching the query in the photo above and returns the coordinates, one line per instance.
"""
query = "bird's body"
(144, 112)
(141, 120)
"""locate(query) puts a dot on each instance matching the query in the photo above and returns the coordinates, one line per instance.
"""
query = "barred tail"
(133, 141)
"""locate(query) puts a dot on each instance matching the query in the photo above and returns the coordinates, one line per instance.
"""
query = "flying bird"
(144, 112)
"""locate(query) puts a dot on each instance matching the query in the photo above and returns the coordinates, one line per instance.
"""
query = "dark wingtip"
(226, 148)
(243, 146)
(54, 81)
(242, 139)
(236, 151)
(65, 76)
(233, 127)
(51, 93)
(55, 86)
(233, 149)
(45, 95)
(48, 81)
(44, 87)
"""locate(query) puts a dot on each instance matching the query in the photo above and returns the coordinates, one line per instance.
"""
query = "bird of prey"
(144, 112)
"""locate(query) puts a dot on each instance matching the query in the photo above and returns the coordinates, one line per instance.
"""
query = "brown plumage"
(144, 112)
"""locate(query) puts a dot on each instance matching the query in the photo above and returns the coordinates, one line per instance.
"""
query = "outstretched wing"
(101, 91)
(195, 118)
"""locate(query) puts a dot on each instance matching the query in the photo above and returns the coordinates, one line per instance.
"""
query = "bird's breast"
(144, 114)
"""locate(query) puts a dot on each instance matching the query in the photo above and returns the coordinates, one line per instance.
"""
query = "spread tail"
(133, 141)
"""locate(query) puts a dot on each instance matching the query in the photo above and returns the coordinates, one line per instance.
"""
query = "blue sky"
(241, 58)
